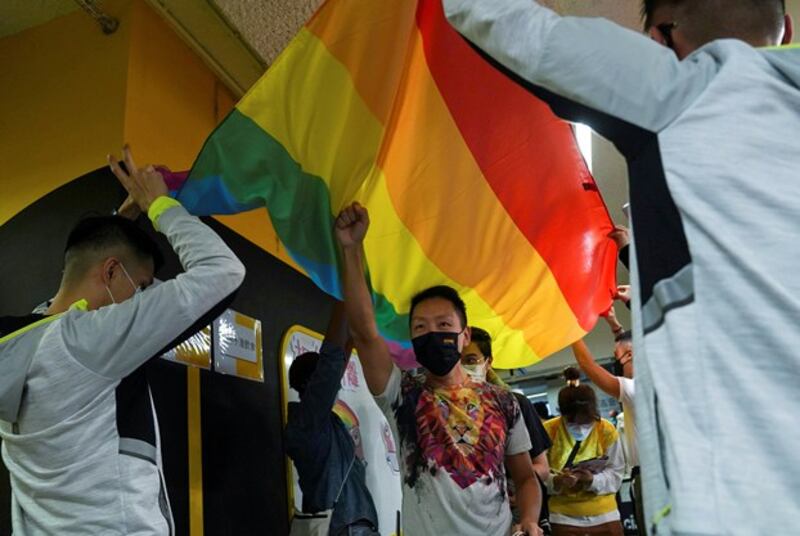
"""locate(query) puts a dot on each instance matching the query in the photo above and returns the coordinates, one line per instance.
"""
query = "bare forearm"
(599, 376)
(529, 494)
(541, 466)
(358, 303)
(376, 361)
(529, 499)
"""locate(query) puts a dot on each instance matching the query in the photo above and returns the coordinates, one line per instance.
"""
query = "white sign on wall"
(237, 346)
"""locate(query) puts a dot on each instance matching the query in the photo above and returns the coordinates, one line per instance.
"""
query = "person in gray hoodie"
(79, 430)
(706, 110)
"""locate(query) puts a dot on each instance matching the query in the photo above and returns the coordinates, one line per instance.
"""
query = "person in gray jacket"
(80, 435)
(709, 124)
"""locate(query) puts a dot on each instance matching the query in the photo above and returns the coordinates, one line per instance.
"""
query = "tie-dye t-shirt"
(453, 442)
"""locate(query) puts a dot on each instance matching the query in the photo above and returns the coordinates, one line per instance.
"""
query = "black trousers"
(638, 504)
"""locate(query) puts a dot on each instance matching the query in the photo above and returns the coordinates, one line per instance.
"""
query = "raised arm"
(323, 386)
(115, 340)
(376, 361)
(592, 63)
(599, 376)
(338, 332)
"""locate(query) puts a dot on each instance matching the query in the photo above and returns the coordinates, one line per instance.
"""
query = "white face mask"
(579, 432)
(476, 372)
(136, 289)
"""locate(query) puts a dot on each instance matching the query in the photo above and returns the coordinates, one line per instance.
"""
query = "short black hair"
(708, 20)
(625, 336)
(482, 340)
(98, 233)
(649, 6)
(301, 370)
(444, 292)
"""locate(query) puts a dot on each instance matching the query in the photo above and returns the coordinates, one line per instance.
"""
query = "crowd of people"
(707, 113)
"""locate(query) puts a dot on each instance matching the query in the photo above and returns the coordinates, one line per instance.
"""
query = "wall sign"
(237, 346)
(194, 351)
(232, 342)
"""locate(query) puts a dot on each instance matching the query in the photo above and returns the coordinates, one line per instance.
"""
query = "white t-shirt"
(453, 474)
(626, 392)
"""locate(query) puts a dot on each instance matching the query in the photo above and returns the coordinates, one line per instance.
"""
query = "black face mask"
(437, 351)
(617, 369)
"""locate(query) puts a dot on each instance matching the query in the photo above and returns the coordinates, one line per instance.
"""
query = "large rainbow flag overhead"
(470, 180)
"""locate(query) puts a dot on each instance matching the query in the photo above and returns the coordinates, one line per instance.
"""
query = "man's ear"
(108, 269)
(467, 337)
(657, 36)
(788, 29)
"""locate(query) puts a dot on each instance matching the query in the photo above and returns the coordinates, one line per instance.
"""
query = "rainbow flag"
(470, 180)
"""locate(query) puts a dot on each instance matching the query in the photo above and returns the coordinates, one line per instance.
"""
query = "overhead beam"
(215, 40)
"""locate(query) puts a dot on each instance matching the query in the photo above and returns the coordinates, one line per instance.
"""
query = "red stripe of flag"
(542, 181)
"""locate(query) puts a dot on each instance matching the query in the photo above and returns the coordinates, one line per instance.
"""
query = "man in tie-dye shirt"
(455, 433)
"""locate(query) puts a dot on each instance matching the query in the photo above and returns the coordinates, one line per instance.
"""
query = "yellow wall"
(171, 101)
(71, 94)
(62, 88)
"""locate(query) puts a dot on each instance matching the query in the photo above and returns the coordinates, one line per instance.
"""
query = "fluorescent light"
(584, 136)
(537, 395)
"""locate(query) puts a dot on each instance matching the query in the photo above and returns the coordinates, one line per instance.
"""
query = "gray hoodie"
(713, 150)
(79, 430)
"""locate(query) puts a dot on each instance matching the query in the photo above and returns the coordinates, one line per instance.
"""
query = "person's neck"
(454, 378)
(65, 298)
(763, 42)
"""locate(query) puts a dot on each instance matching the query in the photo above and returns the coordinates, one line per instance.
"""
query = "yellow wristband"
(158, 207)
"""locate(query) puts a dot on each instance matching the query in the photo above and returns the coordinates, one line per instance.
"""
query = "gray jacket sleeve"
(115, 340)
(591, 62)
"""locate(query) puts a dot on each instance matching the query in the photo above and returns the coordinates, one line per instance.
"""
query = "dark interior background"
(244, 473)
